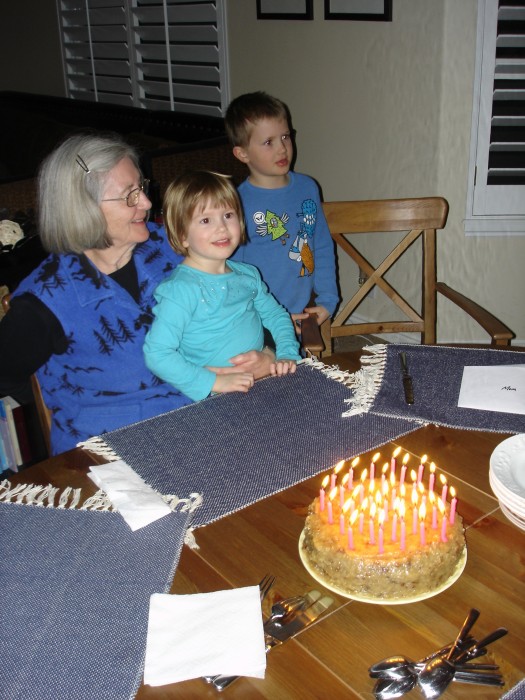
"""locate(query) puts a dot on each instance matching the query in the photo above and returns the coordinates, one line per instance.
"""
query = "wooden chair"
(44, 414)
(420, 218)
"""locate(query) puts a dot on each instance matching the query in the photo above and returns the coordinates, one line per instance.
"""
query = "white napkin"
(205, 634)
(134, 499)
(495, 388)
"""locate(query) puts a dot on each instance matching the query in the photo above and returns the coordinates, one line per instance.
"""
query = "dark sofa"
(169, 143)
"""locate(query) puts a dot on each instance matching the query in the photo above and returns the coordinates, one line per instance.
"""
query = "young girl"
(210, 309)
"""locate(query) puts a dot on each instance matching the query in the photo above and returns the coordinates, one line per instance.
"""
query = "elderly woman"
(80, 318)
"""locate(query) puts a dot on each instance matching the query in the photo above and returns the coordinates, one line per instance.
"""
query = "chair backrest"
(419, 218)
(44, 414)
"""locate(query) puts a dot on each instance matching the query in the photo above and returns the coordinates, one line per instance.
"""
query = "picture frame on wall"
(360, 10)
(285, 9)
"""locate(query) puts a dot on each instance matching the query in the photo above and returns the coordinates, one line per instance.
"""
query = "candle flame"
(406, 458)
(373, 510)
(353, 517)
(347, 504)
(420, 487)
(339, 466)
(413, 474)
(414, 497)
(396, 451)
(364, 504)
(441, 506)
(355, 462)
(386, 466)
(422, 511)
(325, 481)
(364, 474)
(344, 480)
(443, 478)
(378, 497)
(355, 492)
(376, 456)
(392, 479)
(402, 509)
(424, 459)
(386, 488)
(452, 492)
(431, 496)
(402, 490)
(432, 467)
(333, 493)
(381, 517)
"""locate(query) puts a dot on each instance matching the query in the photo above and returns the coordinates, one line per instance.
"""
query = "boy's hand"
(321, 313)
(282, 367)
(296, 320)
(226, 383)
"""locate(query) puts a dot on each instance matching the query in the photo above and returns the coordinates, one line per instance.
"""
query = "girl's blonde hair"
(192, 191)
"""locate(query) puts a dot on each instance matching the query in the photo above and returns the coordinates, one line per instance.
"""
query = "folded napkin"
(134, 499)
(205, 634)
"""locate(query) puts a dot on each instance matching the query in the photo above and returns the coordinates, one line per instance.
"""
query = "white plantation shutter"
(497, 182)
(158, 54)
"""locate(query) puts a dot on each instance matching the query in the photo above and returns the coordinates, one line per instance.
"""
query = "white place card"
(500, 388)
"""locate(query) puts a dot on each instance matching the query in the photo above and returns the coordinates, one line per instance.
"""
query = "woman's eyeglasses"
(132, 199)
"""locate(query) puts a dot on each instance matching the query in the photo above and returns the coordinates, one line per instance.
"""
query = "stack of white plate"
(507, 478)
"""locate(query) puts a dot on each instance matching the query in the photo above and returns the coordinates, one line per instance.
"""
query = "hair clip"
(82, 163)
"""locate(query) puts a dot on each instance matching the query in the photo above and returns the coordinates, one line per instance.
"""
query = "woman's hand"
(257, 363)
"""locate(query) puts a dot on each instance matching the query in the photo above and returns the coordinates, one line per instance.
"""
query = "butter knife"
(277, 635)
(407, 379)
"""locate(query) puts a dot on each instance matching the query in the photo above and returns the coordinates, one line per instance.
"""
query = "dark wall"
(30, 47)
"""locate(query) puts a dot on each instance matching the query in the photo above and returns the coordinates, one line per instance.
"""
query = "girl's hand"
(282, 367)
(226, 383)
(254, 362)
(321, 313)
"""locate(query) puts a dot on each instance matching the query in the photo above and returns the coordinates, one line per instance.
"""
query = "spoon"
(437, 673)
(388, 688)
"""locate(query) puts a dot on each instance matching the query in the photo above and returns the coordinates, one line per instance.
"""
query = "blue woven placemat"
(76, 588)
(516, 693)
(436, 376)
(237, 448)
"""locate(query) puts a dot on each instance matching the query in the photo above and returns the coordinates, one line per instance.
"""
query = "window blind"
(158, 54)
(499, 180)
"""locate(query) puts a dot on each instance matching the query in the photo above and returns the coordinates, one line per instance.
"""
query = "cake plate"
(383, 601)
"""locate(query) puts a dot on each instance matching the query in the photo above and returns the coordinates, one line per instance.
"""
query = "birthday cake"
(400, 544)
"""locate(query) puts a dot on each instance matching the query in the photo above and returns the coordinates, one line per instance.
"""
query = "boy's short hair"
(192, 190)
(244, 111)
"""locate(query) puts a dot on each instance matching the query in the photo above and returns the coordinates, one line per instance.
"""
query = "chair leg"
(326, 335)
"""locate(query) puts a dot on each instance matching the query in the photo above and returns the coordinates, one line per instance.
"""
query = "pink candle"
(431, 477)
(444, 489)
(394, 527)
(393, 460)
(372, 532)
(422, 534)
(361, 521)
(453, 504)
(333, 479)
(342, 495)
(414, 520)
(444, 529)
(324, 484)
(342, 524)
(402, 543)
(330, 513)
(380, 535)
(350, 537)
(434, 517)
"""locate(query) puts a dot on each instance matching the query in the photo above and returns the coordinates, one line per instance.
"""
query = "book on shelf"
(8, 452)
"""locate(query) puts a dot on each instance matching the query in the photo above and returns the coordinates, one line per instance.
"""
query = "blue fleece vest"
(101, 382)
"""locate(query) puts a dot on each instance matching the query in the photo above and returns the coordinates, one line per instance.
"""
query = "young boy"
(288, 237)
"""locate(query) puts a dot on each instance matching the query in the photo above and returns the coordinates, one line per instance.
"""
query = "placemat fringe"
(38, 495)
(99, 447)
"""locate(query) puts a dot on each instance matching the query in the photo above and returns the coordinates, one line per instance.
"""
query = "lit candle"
(402, 543)
(331, 496)
(371, 524)
(380, 533)
(432, 501)
(453, 504)
(443, 479)
(361, 521)
(432, 476)
(422, 532)
(344, 481)
(444, 529)
(414, 512)
(351, 523)
(351, 472)
(393, 459)
(342, 523)
(324, 484)
(404, 468)
(421, 469)
(373, 465)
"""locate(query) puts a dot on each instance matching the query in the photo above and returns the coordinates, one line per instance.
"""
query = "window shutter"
(500, 159)
(158, 54)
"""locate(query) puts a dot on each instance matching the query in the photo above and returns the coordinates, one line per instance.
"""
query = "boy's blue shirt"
(290, 243)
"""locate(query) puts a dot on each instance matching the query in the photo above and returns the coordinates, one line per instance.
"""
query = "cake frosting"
(380, 561)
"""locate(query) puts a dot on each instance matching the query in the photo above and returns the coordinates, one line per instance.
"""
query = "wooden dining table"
(330, 659)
